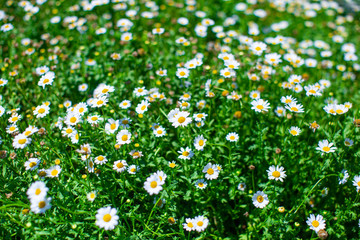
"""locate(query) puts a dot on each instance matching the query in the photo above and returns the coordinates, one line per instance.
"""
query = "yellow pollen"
(54, 172)
(73, 119)
(22, 141)
(181, 119)
(210, 171)
(276, 174)
(42, 204)
(37, 191)
(41, 110)
(260, 199)
(107, 217)
(124, 138)
(201, 142)
(32, 164)
(326, 149)
(315, 223)
(100, 158)
(153, 184)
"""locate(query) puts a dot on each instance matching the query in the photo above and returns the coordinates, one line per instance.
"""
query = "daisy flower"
(123, 137)
(199, 117)
(189, 224)
(83, 87)
(159, 132)
(106, 218)
(288, 99)
(182, 73)
(356, 182)
(316, 223)
(180, 119)
(232, 137)
(201, 223)
(254, 94)
(185, 153)
(21, 141)
(53, 171)
(295, 131)
(241, 186)
(211, 171)
(295, 107)
(91, 196)
(200, 143)
(120, 165)
(46, 79)
(258, 47)
(280, 111)
(41, 111)
(100, 160)
(172, 164)
(125, 104)
(201, 184)
(344, 176)
(3, 82)
(152, 185)
(11, 128)
(348, 142)
(325, 147)
(276, 172)
(260, 199)
(142, 107)
(314, 126)
(40, 205)
(140, 91)
(133, 169)
(37, 190)
(259, 105)
(32, 163)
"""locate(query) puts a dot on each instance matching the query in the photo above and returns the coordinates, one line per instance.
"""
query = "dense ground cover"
(179, 120)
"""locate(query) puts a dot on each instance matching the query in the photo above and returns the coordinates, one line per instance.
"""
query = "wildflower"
(200, 142)
(280, 111)
(199, 117)
(83, 87)
(140, 91)
(91, 196)
(241, 186)
(201, 184)
(277, 173)
(260, 199)
(211, 171)
(133, 169)
(314, 126)
(40, 205)
(186, 153)
(316, 223)
(6, 27)
(288, 99)
(11, 128)
(100, 160)
(21, 141)
(259, 105)
(201, 223)
(120, 165)
(106, 218)
(41, 111)
(295, 107)
(3, 82)
(142, 107)
(180, 119)
(72, 119)
(53, 171)
(32, 163)
(348, 142)
(123, 137)
(189, 224)
(182, 73)
(232, 137)
(46, 79)
(295, 131)
(159, 132)
(152, 185)
(254, 94)
(344, 175)
(356, 182)
(125, 104)
(325, 147)
(37, 190)
(172, 164)
(258, 47)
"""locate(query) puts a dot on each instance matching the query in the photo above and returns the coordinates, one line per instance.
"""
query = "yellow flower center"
(232, 137)
(258, 48)
(200, 184)
(276, 174)
(54, 172)
(200, 223)
(12, 128)
(260, 107)
(46, 80)
(100, 158)
(41, 110)
(107, 217)
(201, 142)
(181, 119)
(185, 153)
(32, 164)
(315, 223)
(172, 165)
(210, 171)
(124, 138)
(182, 73)
(94, 118)
(69, 130)
(37, 191)
(92, 195)
(22, 141)
(73, 119)
(294, 109)
(293, 132)
(42, 204)
(143, 107)
(326, 149)
(113, 126)
(153, 184)
(260, 199)
(100, 102)
(190, 225)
